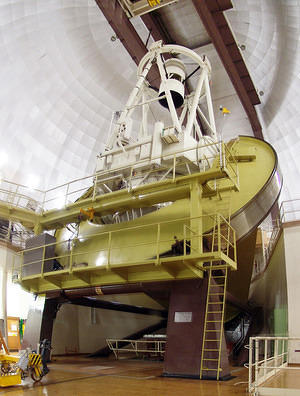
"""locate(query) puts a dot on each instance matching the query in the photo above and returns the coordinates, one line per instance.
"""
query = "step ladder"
(3, 344)
(213, 323)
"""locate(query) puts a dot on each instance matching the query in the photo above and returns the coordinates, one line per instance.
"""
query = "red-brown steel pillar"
(185, 332)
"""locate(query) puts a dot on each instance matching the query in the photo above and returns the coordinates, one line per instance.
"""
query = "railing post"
(43, 203)
(256, 365)
(184, 239)
(220, 156)
(67, 192)
(250, 386)
(95, 186)
(22, 265)
(174, 167)
(9, 230)
(276, 355)
(219, 233)
(157, 243)
(130, 179)
(228, 240)
(265, 357)
(15, 196)
(71, 256)
(108, 251)
(43, 261)
(234, 242)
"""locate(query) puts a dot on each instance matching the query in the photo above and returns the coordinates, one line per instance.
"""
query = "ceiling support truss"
(123, 28)
(211, 14)
(125, 32)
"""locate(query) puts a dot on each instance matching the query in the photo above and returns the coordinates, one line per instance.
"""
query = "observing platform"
(111, 262)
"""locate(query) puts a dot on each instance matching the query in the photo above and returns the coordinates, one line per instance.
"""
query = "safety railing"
(155, 347)
(169, 166)
(136, 173)
(14, 233)
(230, 164)
(270, 357)
(141, 244)
(290, 210)
(21, 196)
(272, 241)
(179, 163)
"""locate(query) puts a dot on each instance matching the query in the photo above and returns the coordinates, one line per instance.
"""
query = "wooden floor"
(284, 379)
(125, 377)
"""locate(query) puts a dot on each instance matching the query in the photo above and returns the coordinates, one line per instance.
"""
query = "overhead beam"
(156, 28)
(211, 14)
(125, 32)
(115, 306)
(153, 289)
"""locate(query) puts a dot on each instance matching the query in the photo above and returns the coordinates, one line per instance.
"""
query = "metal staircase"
(213, 323)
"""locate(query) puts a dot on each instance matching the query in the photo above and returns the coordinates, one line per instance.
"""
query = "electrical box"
(33, 258)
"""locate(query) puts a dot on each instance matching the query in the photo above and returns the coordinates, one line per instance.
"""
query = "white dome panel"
(62, 78)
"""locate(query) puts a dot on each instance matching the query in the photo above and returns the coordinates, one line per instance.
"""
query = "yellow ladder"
(214, 322)
(3, 344)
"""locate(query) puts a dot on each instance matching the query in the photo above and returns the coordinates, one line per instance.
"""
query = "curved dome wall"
(61, 78)
(269, 29)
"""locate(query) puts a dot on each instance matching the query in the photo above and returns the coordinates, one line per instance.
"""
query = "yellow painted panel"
(136, 245)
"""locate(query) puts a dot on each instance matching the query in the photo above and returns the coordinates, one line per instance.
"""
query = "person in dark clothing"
(177, 247)
(56, 265)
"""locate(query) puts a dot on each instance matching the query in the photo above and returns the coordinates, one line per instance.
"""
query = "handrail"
(272, 230)
(132, 228)
(71, 255)
(14, 233)
(284, 213)
(267, 356)
(42, 199)
(137, 346)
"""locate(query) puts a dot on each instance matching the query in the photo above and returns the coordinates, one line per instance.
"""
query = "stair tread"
(210, 369)
(211, 350)
(214, 321)
(215, 312)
